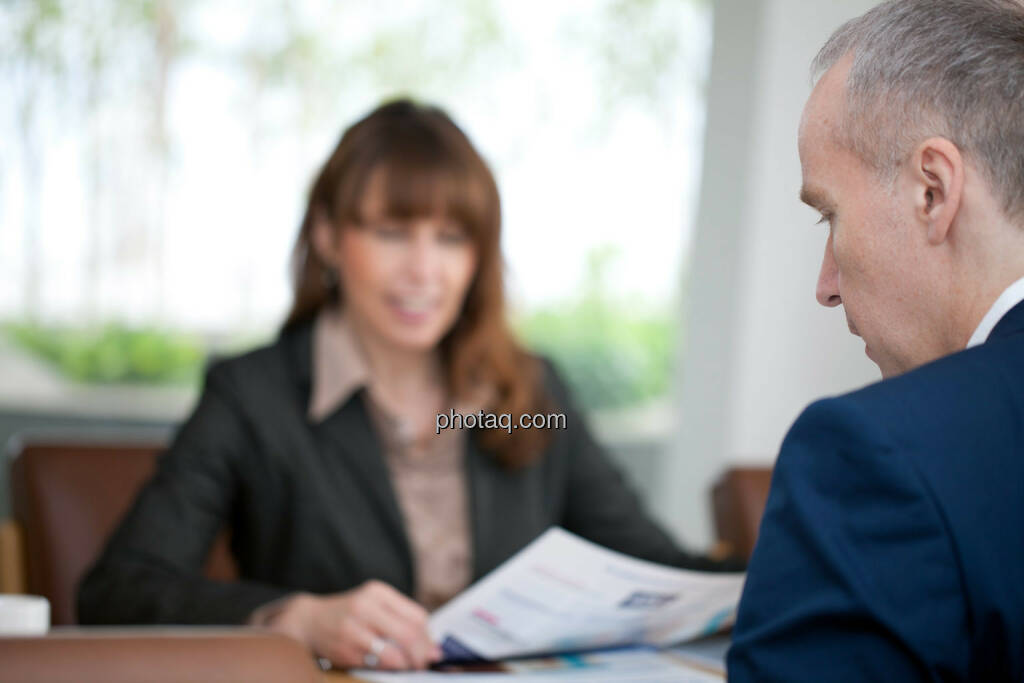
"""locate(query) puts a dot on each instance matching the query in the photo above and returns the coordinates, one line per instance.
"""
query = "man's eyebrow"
(813, 197)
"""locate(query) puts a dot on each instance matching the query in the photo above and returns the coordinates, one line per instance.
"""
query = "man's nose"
(828, 279)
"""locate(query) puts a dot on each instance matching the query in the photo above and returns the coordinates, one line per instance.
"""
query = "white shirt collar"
(1010, 297)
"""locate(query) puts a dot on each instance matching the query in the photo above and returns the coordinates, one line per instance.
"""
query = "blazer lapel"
(482, 489)
(505, 509)
(349, 431)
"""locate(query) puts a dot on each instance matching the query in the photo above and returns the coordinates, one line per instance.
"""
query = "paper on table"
(562, 593)
(634, 666)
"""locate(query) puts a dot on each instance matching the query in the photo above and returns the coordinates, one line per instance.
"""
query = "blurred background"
(156, 154)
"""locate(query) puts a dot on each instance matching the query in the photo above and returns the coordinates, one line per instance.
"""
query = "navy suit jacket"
(892, 545)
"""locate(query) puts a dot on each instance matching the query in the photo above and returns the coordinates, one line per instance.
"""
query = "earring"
(329, 277)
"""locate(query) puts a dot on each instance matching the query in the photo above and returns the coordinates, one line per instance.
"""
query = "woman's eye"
(453, 236)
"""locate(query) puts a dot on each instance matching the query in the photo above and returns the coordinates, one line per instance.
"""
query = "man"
(892, 546)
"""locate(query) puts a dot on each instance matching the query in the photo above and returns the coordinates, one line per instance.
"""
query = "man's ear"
(324, 238)
(937, 176)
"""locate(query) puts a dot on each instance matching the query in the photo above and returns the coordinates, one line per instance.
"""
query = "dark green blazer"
(310, 505)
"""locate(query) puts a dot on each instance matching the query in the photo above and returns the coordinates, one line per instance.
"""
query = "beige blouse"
(427, 472)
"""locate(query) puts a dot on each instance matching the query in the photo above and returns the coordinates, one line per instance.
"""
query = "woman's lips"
(413, 310)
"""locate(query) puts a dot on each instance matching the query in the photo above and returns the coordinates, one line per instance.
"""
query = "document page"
(632, 666)
(562, 593)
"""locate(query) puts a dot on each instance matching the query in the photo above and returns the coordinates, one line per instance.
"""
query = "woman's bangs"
(440, 188)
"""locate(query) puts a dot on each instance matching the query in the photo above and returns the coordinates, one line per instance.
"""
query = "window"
(156, 157)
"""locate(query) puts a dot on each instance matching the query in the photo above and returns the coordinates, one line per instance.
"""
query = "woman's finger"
(413, 613)
(410, 613)
(411, 638)
(359, 645)
(399, 603)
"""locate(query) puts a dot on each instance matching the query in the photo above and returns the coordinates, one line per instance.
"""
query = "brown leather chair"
(738, 499)
(157, 656)
(67, 497)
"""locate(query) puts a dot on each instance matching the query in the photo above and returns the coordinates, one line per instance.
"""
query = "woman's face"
(403, 281)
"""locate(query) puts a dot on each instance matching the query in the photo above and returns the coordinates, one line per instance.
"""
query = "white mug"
(24, 615)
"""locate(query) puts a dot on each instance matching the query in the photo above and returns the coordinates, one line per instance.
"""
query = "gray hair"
(946, 68)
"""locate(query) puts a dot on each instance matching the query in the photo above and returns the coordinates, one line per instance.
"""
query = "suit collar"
(1010, 324)
(338, 368)
(339, 365)
(1010, 297)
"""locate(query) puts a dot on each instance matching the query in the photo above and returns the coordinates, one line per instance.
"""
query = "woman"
(350, 514)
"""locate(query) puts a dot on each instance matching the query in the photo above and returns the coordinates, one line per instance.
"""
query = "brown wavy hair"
(430, 168)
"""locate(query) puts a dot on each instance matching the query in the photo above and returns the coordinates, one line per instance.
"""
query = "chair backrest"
(738, 500)
(68, 497)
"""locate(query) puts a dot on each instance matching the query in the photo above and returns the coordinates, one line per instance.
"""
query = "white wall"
(758, 347)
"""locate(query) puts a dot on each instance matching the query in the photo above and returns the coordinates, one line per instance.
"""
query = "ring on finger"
(372, 658)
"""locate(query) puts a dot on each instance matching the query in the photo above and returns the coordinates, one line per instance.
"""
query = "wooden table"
(158, 654)
(162, 654)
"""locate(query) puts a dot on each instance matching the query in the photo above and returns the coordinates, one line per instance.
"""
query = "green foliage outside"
(610, 358)
(611, 352)
(114, 353)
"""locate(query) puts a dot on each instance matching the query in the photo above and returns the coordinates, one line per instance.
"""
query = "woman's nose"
(423, 260)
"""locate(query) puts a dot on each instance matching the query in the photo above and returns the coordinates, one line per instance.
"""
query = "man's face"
(874, 263)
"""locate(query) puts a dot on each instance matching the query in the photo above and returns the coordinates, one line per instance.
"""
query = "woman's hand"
(372, 625)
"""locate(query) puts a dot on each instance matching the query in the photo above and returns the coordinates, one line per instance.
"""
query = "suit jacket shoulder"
(282, 365)
(890, 547)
